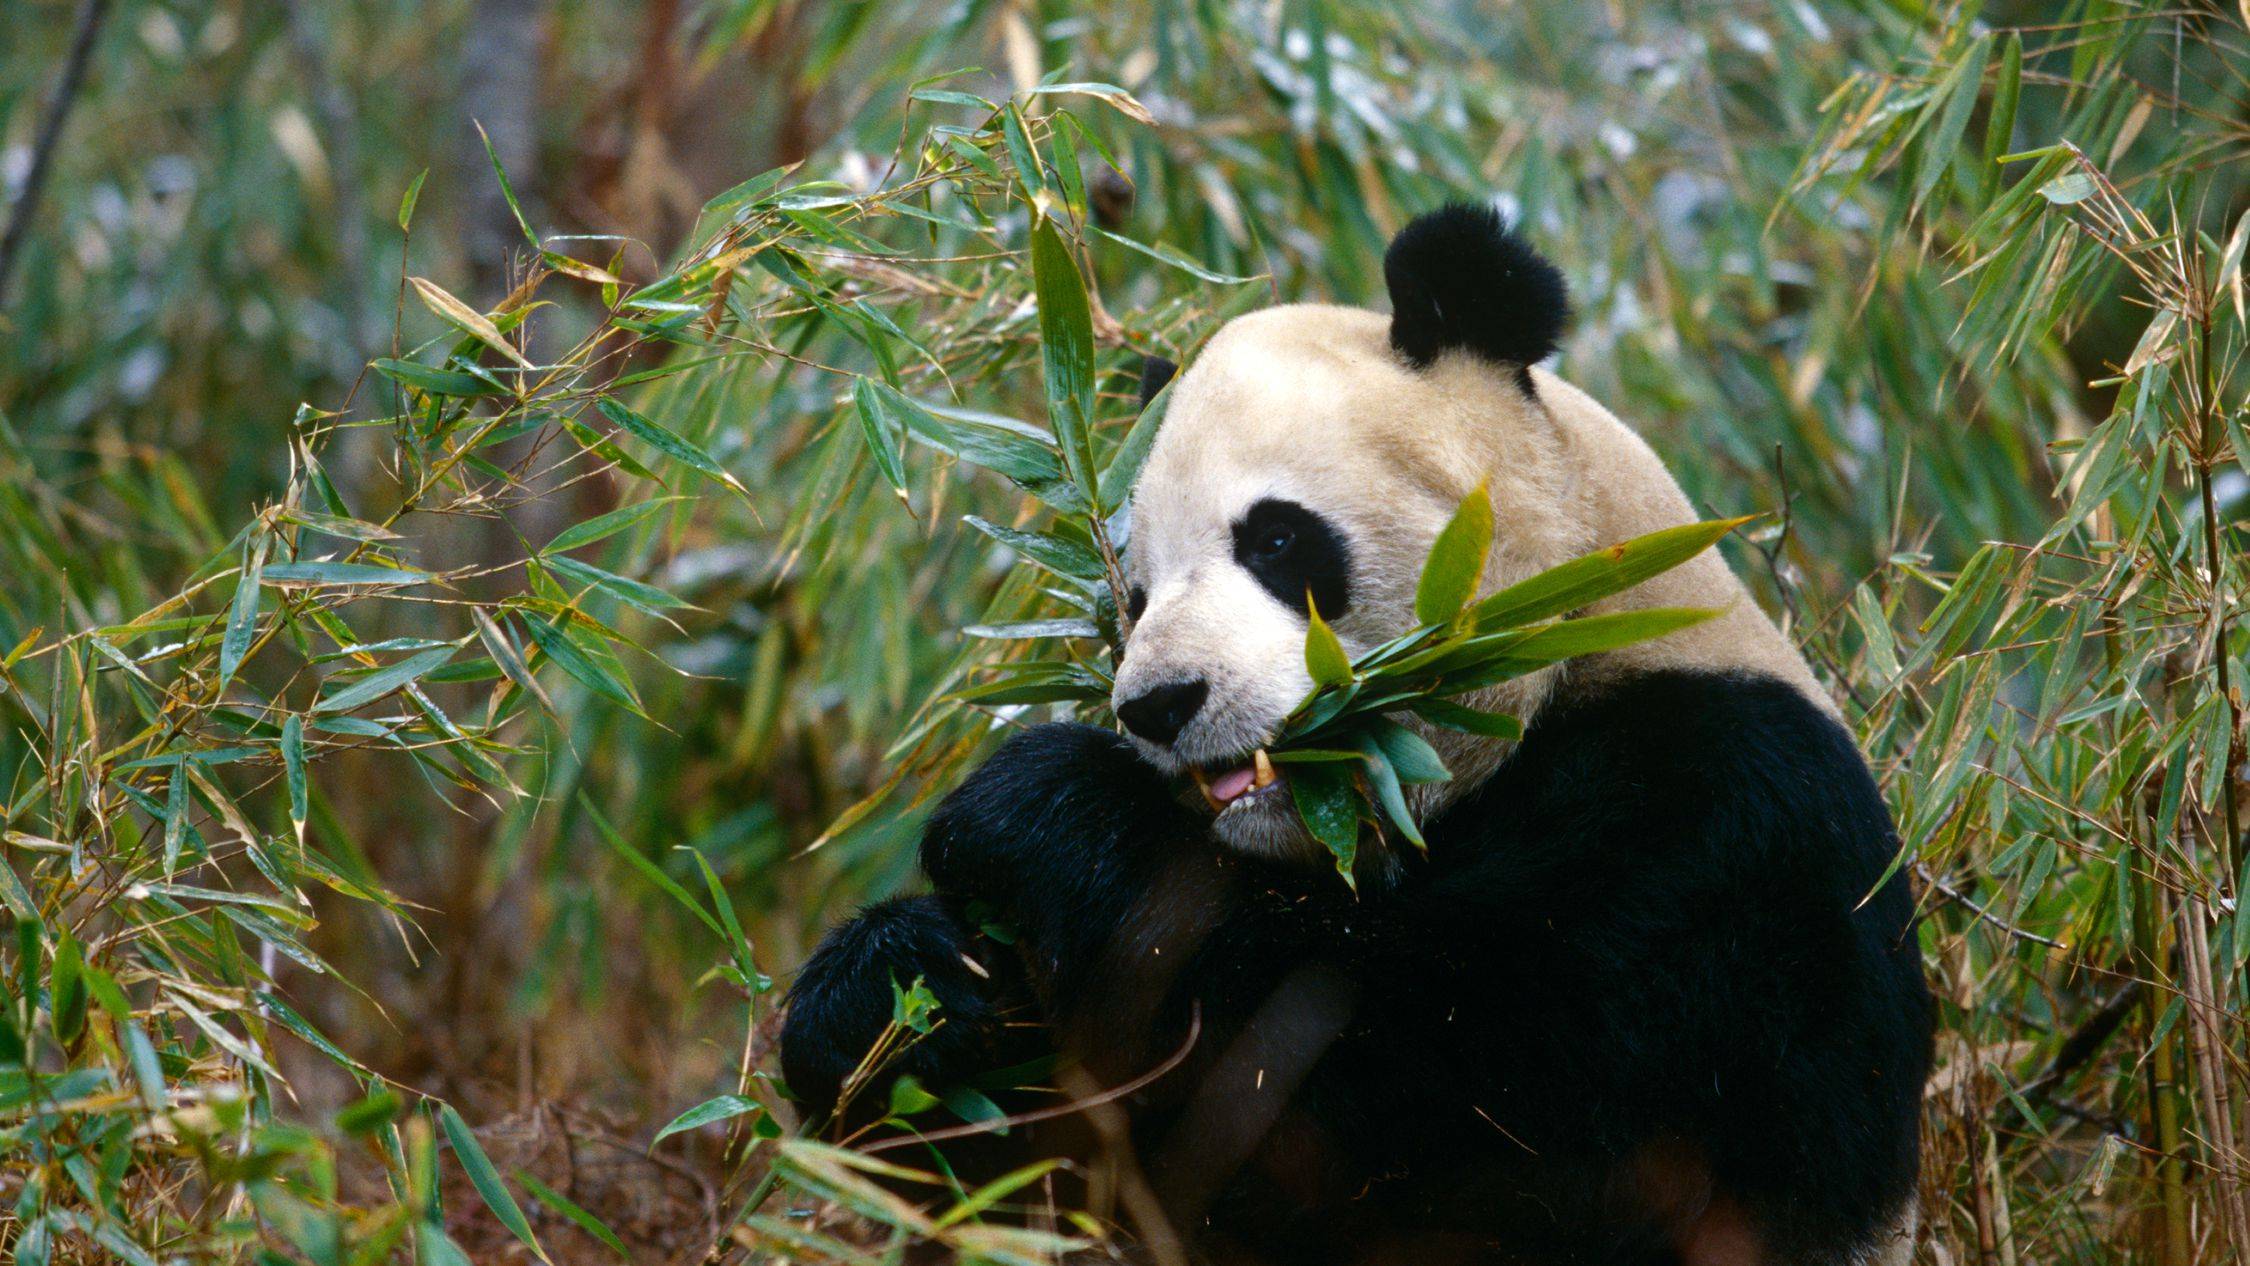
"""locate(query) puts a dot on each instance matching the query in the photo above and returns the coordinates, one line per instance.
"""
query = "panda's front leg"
(1063, 859)
(843, 1043)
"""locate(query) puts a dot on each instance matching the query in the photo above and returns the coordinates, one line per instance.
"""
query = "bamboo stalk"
(2176, 1242)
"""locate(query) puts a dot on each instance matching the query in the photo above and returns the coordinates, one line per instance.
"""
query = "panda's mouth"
(1230, 789)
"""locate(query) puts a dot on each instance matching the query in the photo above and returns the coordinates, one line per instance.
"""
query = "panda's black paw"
(1054, 803)
(848, 996)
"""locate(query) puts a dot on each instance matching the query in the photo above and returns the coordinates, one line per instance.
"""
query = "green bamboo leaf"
(560, 644)
(176, 806)
(148, 1071)
(1593, 634)
(2000, 122)
(878, 423)
(1329, 808)
(1166, 255)
(603, 526)
(1124, 467)
(326, 573)
(1384, 781)
(1456, 562)
(1408, 753)
(504, 652)
(634, 593)
(1468, 720)
(578, 1217)
(486, 1180)
(293, 763)
(1034, 628)
(909, 1098)
(382, 682)
(1055, 553)
(647, 869)
(665, 442)
(371, 1113)
(607, 449)
(1020, 153)
(721, 1108)
(1956, 98)
(1066, 333)
(242, 613)
(66, 991)
(1002, 445)
(507, 191)
(436, 382)
(413, 196)
(1324, 655)
(1611, 570)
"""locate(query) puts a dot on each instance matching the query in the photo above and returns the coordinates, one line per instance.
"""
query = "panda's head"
(1312, 454)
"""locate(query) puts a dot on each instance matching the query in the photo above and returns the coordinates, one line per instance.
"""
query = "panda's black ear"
(1156, 374)
(1459, 278)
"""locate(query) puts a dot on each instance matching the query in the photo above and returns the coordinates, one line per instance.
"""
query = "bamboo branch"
(91, 15)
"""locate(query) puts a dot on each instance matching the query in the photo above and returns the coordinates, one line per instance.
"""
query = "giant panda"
(1652, 994)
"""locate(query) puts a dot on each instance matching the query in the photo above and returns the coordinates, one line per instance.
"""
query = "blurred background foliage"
(1955, 289)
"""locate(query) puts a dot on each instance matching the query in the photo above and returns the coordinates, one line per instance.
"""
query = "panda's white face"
(1301, 458)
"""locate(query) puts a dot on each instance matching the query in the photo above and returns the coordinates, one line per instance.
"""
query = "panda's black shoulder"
(1671, 755)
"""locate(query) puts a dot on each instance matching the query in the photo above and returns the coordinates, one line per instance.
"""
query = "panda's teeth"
(1264, 766)
(1203, 784)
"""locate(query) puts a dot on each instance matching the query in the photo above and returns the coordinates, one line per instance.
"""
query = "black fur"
(1293, 551)
(843, 1001)
(1156, 374)
(1461, 279)
(1639, 974)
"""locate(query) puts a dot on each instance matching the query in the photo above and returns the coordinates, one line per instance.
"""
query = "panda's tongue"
(1229, 786)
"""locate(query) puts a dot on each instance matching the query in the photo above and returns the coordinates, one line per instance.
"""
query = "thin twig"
(1114, 1093)
(91, 14)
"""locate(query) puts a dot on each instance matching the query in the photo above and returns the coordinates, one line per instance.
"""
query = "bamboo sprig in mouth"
(1350, 755)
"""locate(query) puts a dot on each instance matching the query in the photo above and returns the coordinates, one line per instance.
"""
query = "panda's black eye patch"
(1136, 601)
(1293, 551)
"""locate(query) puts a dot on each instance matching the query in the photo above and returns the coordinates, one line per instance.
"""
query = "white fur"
(1310, 404)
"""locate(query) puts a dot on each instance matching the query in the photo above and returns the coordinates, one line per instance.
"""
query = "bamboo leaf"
(413, 195)
(721, 1108)
(578, 1217)
(1329, 809)
(1612, 570)
(1455, 716)
(560, 644)
(1324, 655)
(327, 573)
(1456, 562)
(436, 382)
(603, 526)
(1384, 781)
(293, 762)
(486, 1180)
(382, 682)
(242, 613)
(665, 442)
(478, 325)
(1066, 333)
(878, 423)
(1057, 554)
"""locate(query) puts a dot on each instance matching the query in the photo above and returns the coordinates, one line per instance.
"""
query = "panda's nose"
(1161, 712)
